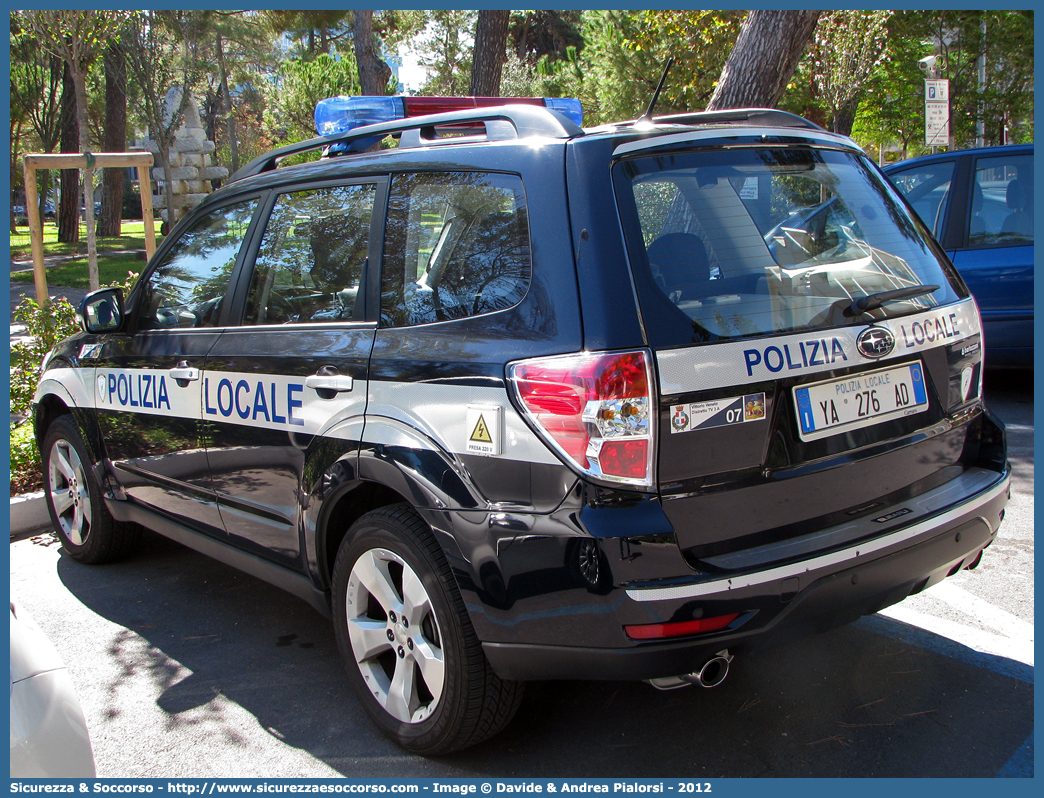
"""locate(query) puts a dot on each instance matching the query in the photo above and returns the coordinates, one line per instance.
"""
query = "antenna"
(648, 115)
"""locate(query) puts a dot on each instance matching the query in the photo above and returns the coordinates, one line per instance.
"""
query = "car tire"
(424, 681)
(74, 499)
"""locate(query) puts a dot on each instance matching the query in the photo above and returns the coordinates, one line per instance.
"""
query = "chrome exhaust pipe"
(713, 671)
(710, 675)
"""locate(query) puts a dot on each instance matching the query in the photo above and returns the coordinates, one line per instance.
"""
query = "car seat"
(339, 250)
(680, 266)
(1019, 223)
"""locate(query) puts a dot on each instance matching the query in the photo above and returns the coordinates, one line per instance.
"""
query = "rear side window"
(1002, 202)
(456, 245)
(312, 255)
(927, 189)
(743, 242)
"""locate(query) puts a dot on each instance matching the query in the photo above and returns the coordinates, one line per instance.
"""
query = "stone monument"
(190, 167)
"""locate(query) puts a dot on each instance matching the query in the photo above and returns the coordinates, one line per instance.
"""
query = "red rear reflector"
(624, 458)
(652, 631)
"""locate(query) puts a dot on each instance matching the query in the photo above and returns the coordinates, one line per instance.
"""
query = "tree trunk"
(373, 72)
(764, 58)
(487, 61)
(230, 118)
(844, 117)
(69, 202)
(80, 84)
(115, 141)
(168, 185)
(16, 171)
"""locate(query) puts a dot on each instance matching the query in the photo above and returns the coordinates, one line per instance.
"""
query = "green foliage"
(893, 108)
(46, 325)
(314, 32)
(625, 52)
(396, 28)
(536, 35)
(299, 85)
(26, 467)
(445, 50)
(848, 47)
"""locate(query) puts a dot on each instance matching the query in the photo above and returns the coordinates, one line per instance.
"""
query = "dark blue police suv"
(510, 399)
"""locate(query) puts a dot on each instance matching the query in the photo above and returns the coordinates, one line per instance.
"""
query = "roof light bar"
(338, 115)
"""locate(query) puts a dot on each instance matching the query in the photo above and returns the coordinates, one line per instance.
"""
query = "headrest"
(1018, 195)
(681, 252)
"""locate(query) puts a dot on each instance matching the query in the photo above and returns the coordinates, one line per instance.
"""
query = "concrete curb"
(29, 514)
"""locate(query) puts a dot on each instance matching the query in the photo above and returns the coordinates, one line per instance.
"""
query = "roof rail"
(500, 122)
(768, 117)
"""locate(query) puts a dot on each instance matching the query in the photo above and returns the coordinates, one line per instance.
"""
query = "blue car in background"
(979, 205)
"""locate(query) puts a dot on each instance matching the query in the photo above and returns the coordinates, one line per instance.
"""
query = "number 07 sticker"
(717, 413)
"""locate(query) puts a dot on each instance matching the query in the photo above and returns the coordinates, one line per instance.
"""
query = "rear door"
(928, 188)
(995, 257)
(783, 411)
(284, 390)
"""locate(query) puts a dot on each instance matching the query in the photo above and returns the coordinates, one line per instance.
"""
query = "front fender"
(70, 385)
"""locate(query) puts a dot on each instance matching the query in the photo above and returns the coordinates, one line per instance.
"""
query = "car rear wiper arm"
(874, 301)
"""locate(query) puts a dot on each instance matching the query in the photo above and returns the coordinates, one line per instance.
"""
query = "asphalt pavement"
(188, 668)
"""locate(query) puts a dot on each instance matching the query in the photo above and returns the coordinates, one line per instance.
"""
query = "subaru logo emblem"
(875, 342)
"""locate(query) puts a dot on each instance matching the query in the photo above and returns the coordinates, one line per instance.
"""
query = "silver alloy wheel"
(395, 635)
(70, 496)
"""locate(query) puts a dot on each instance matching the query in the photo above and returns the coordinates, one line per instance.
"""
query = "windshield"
(744, 242)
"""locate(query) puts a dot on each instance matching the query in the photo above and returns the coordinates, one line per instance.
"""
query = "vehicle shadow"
(854, 702)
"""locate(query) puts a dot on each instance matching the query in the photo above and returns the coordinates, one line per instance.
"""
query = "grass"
(116, 256)
(133, 237)
(73, 273)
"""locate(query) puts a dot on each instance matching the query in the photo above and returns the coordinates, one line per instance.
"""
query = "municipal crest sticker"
(679, 419)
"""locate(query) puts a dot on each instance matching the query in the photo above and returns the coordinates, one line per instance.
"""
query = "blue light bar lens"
(343, 114)
(569, 107)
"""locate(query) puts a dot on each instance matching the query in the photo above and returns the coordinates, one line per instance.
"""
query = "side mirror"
(102, 311)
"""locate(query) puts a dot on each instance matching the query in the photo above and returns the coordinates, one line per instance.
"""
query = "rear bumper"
(789, 600)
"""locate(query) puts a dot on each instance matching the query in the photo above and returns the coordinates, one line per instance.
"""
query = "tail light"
(595, 409)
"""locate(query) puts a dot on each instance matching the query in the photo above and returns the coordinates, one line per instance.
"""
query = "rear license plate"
(859, 400)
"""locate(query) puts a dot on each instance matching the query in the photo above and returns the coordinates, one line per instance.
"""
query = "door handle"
(184, 372)
(329, 382)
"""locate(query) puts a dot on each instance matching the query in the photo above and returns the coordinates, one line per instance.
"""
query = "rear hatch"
(818, 358)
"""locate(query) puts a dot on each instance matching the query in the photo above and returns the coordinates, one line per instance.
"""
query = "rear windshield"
(744, 242)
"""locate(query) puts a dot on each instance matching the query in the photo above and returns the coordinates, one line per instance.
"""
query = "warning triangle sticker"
(481, 432)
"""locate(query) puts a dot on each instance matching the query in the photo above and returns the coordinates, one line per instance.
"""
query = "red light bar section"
(422, 106)
(653, 631)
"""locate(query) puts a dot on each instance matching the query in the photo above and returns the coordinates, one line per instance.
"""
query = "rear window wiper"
(870, 302)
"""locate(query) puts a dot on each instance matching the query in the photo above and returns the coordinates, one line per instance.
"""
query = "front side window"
(456, 245)
(187, 287)
(1002, 202)
(927, 189)
(743, 242)
(310, 264)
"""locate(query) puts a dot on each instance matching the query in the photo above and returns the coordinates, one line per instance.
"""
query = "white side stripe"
(761, 359)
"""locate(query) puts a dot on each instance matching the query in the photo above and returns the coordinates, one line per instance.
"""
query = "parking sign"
(936, 113)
